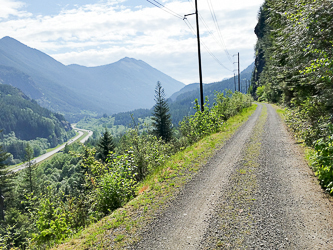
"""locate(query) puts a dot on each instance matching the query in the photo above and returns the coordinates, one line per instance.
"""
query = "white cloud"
(11, 8)
(104, 32)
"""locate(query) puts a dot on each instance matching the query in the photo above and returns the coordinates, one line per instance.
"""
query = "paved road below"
(256, 193)
(48, 154)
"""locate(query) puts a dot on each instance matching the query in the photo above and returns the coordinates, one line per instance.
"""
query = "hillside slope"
(22, 120)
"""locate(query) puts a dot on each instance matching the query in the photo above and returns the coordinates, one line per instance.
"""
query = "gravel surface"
(257, 192)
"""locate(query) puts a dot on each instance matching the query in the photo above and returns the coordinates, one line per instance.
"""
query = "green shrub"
(149, 152)
(308, 120)
(116, 187)
(323, 161)
(209, 121)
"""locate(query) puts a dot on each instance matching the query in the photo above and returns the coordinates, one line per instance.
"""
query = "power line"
(162, 7)
(211, 8)
(168, 9)
(220, 41)
(206, 47)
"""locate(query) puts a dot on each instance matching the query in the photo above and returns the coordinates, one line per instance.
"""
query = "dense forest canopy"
(294, 60)
(294, 67)
(22, 119)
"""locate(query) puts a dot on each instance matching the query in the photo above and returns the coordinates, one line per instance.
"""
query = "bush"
(309, 121)
(149, 152)
(117, 187)
(323, 161)
(209, 121)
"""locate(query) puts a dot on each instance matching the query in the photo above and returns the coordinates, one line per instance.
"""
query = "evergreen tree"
(29, 177)
(4, 181)
(161, 118)
(105, 145)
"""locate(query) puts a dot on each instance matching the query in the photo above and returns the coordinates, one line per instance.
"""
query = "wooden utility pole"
(199, 56)
(199, 53)
(239, 87)
(235, 82)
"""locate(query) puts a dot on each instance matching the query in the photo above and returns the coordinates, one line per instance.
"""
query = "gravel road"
(257, 192)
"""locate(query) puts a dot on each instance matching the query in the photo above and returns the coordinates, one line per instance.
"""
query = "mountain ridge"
(116, 87)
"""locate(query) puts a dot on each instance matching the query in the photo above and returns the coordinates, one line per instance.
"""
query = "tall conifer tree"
(30, 175)
(4, 181)
(161, 117)
(105, 145)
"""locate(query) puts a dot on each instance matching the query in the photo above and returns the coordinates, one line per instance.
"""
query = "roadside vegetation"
(82, 185)
(294, 68)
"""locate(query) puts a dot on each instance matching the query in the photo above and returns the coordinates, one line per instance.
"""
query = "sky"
(100, 32)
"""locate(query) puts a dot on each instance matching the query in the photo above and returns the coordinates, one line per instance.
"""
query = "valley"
(100, 148)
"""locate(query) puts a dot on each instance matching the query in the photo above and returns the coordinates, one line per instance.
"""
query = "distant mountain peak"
(129, 60)
(8, 39)
(117, 87)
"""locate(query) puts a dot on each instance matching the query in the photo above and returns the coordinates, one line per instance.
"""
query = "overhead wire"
(162, 7)
(218, 40)
(206, 47)
(211, 8)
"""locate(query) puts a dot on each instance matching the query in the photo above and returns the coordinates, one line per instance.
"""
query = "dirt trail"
(256, 193)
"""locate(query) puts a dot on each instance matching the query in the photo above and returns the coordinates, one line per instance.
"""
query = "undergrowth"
(316, 134)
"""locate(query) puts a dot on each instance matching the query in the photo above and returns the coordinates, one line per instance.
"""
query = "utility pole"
(199, 54)
(239, 88)
(235, 82)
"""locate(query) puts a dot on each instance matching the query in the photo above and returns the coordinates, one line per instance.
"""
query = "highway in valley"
(56, 150)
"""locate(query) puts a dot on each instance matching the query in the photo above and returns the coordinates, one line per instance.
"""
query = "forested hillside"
(22, 119)
(294, 67)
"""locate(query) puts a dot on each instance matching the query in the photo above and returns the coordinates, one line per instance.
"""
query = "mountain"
(77, 90)
(181, 102)
(20, 80)
(228, 83)
(126, 84)
(187, 88)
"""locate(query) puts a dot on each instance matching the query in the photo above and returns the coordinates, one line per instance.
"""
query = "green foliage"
(149, 151)
(22, 120)
(5, 184)
(294, 67)
(16, 147)
(29, 170)
(117, 186)
(323, 160)
(105, 146)
(51, 223)
(195, 127)
(309, 121)
(28, 120)
(162, 125)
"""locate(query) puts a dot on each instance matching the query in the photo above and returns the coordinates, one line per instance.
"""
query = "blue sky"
(93, 33)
